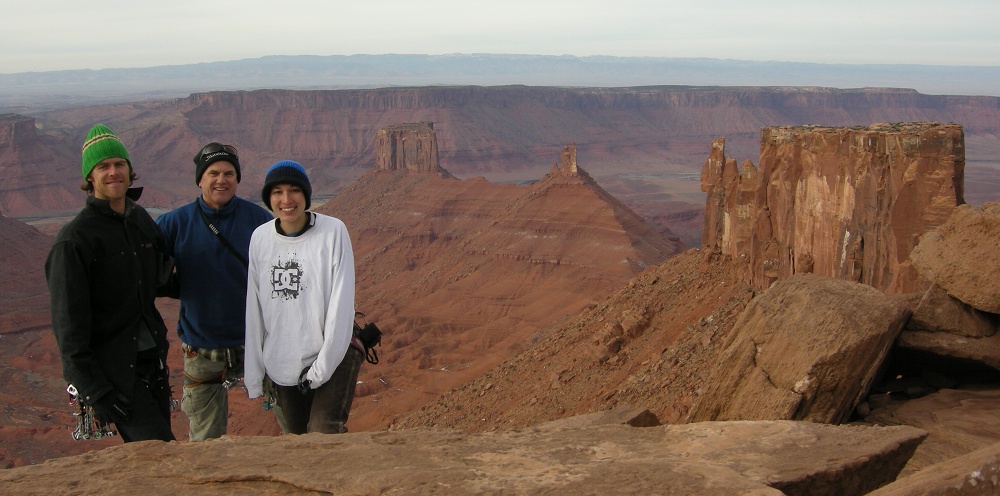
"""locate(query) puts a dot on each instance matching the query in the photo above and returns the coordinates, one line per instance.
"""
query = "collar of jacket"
(104, 206)
(217, 212)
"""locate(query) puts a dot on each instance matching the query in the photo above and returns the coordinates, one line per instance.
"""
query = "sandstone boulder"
(765, 458)
(957, 316)
(976, 473)
(957, 421)
(937, 311)
(806, 349)
(961, 256)
(961, 455)
(942, 325)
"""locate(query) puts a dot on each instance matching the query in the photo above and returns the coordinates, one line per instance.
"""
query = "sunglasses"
(218, 147)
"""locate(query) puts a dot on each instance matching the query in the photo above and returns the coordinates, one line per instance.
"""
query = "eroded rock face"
(807, 349)
(652, 344)
(849, 203)
(410, 146)
(16, 129)
(34, 178)
(765, 458)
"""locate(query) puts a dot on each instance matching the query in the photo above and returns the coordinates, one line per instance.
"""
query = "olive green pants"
(206, 399)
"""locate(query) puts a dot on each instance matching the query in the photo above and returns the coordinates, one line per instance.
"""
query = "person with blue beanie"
(300, 309)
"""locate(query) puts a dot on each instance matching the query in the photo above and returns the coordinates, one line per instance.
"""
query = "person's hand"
(112, 407)
(303, 382)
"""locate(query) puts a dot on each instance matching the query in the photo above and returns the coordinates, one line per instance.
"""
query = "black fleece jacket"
(103, 272)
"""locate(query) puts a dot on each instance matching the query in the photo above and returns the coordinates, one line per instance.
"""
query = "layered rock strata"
(849, 203)
(33, 177)
(409, 146)
(16, 129)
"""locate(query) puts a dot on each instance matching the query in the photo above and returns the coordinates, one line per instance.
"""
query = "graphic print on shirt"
(286, 279)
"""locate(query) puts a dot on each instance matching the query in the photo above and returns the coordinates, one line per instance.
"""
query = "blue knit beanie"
(285, 172)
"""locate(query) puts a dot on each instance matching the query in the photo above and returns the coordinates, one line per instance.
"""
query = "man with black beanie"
(209, 239)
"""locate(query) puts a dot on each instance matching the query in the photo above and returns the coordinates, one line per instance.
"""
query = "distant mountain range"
(30, 90)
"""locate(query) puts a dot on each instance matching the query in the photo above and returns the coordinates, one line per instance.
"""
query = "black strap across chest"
(222, 238)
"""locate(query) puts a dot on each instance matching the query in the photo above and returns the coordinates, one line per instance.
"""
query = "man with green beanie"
(104, 271)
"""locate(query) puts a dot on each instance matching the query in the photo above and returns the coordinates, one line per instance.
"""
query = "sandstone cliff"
(849, 203)
(16, 129)
(640, 142)
(29, 171)
(411, 147)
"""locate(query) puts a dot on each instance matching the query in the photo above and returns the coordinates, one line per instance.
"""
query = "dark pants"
(324, 409)
(149, 417)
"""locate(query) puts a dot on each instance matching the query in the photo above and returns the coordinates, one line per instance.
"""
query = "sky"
(50, 35)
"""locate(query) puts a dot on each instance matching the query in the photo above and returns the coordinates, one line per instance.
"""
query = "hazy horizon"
(44, 90)
(57, 35)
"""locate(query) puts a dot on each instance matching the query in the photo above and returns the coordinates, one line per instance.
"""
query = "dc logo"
(285, 280)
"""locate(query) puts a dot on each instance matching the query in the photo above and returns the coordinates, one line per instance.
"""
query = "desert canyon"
(582, 291)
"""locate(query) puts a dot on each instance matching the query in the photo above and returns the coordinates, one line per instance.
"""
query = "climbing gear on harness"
(87, 425)
(270, 394)
(229, 355)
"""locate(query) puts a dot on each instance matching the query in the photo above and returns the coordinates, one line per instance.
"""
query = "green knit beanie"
(102, 143)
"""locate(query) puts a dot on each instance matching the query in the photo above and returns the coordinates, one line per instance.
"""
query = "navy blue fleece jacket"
(212, 280)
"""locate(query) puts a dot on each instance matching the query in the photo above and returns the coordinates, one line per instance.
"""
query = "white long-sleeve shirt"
(300, 303)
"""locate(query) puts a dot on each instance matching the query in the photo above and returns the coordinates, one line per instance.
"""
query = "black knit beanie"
(214, 152)
(286, 172)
